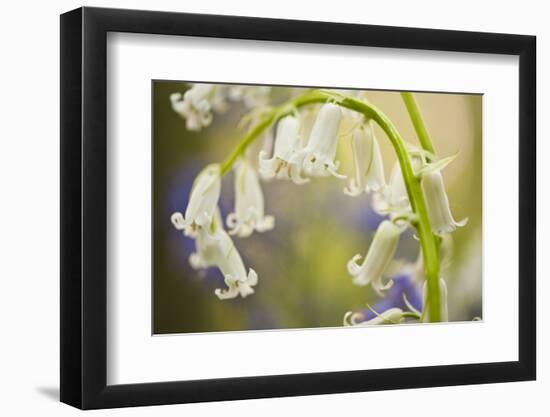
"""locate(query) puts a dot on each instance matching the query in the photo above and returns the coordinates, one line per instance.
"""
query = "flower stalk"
(417, 121)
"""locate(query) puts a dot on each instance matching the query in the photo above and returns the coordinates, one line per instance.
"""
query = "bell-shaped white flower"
(317, 158)
(203, 202)
(369, 166)
(194, 106)
(390, 316)
(442, 301)
(205, 240)
(230, 263)
(263, 145)
(287, 142)
(250, 95)
(437, 202)
(393, 198)
(214, 247)
(204, 256)
(219, 98)
(249, 203)
(379, 256)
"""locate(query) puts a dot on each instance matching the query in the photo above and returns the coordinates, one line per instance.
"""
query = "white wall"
(29, 225)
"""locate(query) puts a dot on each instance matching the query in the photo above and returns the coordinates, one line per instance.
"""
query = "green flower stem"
(427, 239)
(427, 145)
(247, 140)
(418, 123)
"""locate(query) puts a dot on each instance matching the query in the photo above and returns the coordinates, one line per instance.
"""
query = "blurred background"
(301, 263)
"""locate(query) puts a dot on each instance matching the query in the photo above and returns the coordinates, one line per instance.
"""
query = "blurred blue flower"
(371, 219)
(261, 318)
(363, 216)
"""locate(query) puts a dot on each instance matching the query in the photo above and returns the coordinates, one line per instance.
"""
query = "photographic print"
(281, 207)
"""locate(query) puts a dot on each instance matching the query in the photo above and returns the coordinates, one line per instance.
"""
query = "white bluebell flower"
(437, 202)
(318, 157)
(283, 164)
(205, 240)
(194, 106)
(250, 95)
(203, 202)
(369, 166)
(231, 265)
(219, 98)
(379, 257)
(249, 203)
(214, 248)
(394, 198)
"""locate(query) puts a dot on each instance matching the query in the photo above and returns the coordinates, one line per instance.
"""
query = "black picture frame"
(84, 207)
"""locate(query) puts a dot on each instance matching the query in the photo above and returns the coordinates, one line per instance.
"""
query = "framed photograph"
(258, 208)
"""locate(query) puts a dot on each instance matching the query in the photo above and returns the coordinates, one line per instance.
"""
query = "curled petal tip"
(252, 278)
(353, 267)
(295, 176)
(267, 223)
(245, 290)
(462, 222)
(352, 189)
(225, 294)
(380, 290)
(336, 174)
(348, 319)
(178, 221)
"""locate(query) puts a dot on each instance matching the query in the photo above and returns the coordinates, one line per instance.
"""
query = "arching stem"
(427, 239)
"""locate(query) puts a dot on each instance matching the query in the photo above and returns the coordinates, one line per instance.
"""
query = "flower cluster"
(214, 246)
(197, 104)
(298, 157)
(289, 161)
(393, 200)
